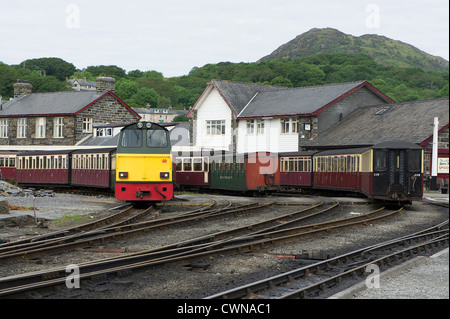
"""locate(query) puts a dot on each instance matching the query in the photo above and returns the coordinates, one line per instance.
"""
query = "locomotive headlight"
(123, 175)
(148, 125)
(164, 175)
(140, 125)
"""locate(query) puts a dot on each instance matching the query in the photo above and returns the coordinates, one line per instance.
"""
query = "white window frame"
(59, 127)
(289, 125)
(4, 128)
(260, 127)
(87, 124)
(215, 127)
(250, 127)
(41, 123)
(22, 124)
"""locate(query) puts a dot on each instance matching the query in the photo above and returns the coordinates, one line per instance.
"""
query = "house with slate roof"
(410, 121)
(245, 117)
(82, 84)
(60, 118)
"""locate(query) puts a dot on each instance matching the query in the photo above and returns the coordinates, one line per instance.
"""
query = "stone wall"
(108, 110)
(31, 132)
(339, 110)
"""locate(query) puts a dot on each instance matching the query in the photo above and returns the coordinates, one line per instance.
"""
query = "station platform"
(420, 278)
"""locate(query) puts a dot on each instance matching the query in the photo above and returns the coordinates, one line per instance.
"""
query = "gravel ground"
(209, 275)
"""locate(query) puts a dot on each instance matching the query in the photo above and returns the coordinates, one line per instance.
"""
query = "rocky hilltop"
(382, 49)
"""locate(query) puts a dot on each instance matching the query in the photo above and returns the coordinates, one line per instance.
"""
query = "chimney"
(22, 88)
(105, 83)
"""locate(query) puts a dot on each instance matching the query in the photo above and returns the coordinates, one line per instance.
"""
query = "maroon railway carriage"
(296, 169)
(94, 168)
(338, 169)
(8, 166)
(43, 167)
(390, 171)
(191, 170)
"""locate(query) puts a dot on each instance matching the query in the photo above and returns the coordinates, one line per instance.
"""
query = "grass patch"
(67, 220)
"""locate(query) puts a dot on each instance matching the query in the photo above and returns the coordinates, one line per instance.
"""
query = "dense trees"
(141, 88)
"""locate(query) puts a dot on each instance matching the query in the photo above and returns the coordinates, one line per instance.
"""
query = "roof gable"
(236, 94)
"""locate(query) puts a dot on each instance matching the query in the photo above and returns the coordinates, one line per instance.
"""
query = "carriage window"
(132, 138)
(156, 138)
(179, 165)
(414, 160)
(198, 167)
(380, 160)
(187, 165)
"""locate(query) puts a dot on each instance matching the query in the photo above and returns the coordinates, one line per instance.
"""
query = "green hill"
(382, 49)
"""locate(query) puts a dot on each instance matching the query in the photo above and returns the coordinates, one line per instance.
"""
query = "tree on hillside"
(107, 70)
(50, 66)
(125, 89)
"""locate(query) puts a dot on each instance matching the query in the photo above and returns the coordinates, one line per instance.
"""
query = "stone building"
(246, 117)
(60, 118)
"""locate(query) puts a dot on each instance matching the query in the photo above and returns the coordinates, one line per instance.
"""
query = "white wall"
(271, 141)
(213, 107)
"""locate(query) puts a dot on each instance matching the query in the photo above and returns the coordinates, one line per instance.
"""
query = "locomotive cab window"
(156, 138)
(414, 160)
(380, 160)
(132, 138)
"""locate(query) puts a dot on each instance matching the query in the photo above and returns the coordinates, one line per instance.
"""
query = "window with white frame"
(22, 128)
(255, 126)
(289, 125)
(40, 127)
(4, 128)
(285, 123)
(259, 126)
(294, 125)
(250, 127)
(87, 124)
(59, 127)
(215, 127)
(104, 132)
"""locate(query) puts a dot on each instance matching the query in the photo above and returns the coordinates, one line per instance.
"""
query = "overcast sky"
(173, 36)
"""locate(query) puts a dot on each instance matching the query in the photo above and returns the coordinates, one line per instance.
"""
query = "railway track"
(315, 279)
(95, 233)
(243, 239)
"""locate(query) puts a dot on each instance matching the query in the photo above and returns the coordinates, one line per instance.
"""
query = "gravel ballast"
(208, 275)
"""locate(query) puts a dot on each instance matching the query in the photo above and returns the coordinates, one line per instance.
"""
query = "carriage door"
(397, 163)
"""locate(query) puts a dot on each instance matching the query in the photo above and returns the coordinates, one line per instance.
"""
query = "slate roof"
(100, 141)
(48, 103)
(239, 94)
(408, 121)
(248, 100)
(297, 101)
